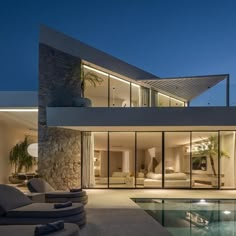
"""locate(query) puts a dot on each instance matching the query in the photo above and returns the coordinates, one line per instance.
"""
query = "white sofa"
(172, 180)
(117, 178)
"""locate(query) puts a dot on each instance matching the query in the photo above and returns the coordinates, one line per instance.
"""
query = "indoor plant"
(19, 158)
(85, 78)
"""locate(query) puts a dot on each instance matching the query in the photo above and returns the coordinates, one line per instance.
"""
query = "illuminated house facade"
(122, 127)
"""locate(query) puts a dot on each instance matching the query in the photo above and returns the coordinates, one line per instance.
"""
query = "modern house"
(139, 132)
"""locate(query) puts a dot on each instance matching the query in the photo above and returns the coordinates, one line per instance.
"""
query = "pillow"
(169, 170)
(151, 175)
(120, 174)
(37, 185)
(156, 176)
(140, 175)
(176, 176)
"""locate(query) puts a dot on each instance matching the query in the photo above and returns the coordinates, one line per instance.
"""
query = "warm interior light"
(19, 110)
(98, 71)
(33, 149)
(163, 95)
(227, 212)
(177, 100)
(114, 77)
(135, 85)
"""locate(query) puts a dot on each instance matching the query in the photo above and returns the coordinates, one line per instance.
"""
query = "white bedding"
(153, 183)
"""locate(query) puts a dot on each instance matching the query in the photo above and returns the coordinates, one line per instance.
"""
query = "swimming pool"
(185, 217)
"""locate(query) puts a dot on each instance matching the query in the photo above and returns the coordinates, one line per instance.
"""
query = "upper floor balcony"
(108, 89)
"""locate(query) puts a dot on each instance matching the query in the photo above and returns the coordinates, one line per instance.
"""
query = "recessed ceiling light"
(19, 110)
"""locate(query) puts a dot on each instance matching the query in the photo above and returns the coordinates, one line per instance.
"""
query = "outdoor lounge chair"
(18, 209)
(37, 185)
(28, 230)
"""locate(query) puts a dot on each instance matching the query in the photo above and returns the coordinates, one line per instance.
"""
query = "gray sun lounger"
(37, 185)
(18, 209)
(28, 230)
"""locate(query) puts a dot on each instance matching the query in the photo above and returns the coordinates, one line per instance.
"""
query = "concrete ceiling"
(20, 120)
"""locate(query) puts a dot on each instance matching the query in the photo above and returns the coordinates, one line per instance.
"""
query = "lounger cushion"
(41, 186)
(79, 219)
(47, 210)
(28, 230)
(11, 198)
(65, 194)
(37, 185)
(83, 199)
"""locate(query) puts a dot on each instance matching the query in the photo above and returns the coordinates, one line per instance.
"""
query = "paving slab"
(121, 222)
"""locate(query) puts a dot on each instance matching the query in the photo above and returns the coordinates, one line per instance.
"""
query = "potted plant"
(19, 158)
(85, 78)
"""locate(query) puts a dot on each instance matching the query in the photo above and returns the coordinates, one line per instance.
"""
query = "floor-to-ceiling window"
(121, 159)
(96, 86)
(227, 159)
(135, 95)
(135, 159)
(205, 160)
(148, 160)
(119, 92)
(176, 103)
(177, 160)
(101, 159)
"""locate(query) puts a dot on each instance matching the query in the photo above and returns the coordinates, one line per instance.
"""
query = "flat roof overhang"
(18, 99)
(150, 118)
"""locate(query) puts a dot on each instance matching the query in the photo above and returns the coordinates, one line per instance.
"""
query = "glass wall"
(135, 95)
(227, 159)
(176, 103)
(205, 159)
(119, 92)
(106, 90)
(149, 160)
(101, 159)
(121, 159)
(96, 86)
(177, 160)
(162, 100)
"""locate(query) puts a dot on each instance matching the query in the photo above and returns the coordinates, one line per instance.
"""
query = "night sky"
(168, 38)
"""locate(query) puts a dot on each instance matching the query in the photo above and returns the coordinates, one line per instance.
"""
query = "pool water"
(188, 217)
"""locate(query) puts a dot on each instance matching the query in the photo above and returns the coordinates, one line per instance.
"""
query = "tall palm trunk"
(212, 165)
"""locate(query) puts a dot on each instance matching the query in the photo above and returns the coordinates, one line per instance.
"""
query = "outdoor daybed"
(18, 209)
(28, 230)
(37, 185)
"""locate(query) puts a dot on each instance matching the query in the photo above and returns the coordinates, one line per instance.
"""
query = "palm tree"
(209, 148)
(85, 77)
(20, 158)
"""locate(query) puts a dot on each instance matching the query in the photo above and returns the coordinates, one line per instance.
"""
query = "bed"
(117, 178)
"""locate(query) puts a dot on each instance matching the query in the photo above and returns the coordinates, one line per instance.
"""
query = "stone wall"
(59, 149)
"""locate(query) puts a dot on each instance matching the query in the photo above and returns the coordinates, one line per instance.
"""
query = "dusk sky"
(168, 38)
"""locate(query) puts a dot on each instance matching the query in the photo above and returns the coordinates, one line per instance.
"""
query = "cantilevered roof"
(90, 54)
(185, 88)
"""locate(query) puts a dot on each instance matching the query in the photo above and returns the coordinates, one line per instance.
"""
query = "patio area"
(112, 212)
